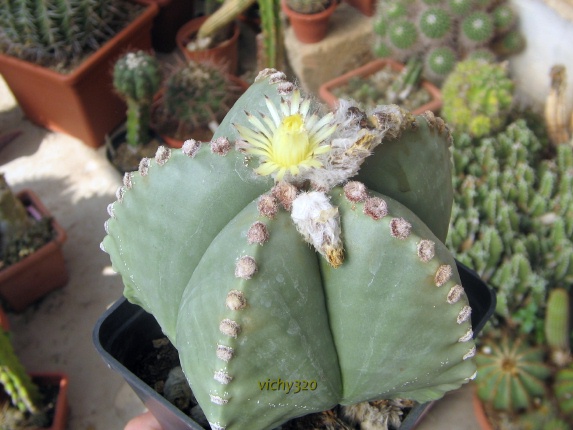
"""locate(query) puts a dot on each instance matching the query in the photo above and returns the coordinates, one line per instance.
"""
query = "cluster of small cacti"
(137, 77)
(512, 221)
(308, 6)
(444, 32)
(267, 327)
(59, 32)
(194, 95)
(477, 97)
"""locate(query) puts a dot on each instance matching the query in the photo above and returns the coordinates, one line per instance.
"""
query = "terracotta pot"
(479, 411)
(61, 410)
(28, 280)
(82, 103)
(326, 90)
(4, 321)
(172, 15)
(366, 7)
(309, 28)
(225, 54)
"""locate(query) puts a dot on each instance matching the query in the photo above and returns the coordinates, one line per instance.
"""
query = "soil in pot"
(40, 233)
(372, 90)
(126, 158)
(158, 366)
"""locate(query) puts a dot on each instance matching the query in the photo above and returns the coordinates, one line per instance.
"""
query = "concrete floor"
(76, 183)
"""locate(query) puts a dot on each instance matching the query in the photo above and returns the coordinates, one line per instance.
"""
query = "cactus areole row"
(297, 261)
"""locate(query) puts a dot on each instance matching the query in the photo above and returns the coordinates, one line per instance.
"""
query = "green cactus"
(59, 32)
(511, 374)
(250, 306)
(24, 394)
(195, 95)
(137, 78)
(563, 388)
(453, 28)
(308, 6)
(557, 326)
(477, 97)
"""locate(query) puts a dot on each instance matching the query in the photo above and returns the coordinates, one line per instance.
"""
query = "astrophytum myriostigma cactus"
(213, 240)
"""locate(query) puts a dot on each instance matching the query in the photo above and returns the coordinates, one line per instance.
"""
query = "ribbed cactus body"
(557, 321)
(563, 388)
(14, 379)
(267, 327)
(511, 374)
(58, 32)
(137, 77)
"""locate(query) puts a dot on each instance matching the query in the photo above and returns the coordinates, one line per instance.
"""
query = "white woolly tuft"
(317, 220)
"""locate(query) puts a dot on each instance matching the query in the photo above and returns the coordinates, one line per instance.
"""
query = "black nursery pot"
(124, 329)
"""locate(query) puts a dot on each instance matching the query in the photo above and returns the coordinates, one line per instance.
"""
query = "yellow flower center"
(291, 143)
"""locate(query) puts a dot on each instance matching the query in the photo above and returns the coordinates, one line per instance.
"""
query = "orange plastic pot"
(366, 7)
(82, 103)
(225, 54)
(312, 27)
(41, 272)
(61, 408)
(479, 412)
(325, 91)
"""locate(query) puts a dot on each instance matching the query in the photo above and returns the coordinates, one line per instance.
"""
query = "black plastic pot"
(124, 329)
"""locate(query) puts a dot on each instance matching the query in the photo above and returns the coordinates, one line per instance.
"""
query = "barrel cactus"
(308, 6)
(267, 327)
(478, 97)
(137, 77)
(59, 32)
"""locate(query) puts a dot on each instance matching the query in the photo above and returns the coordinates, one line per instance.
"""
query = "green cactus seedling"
(563, 388)
(308, 6)
(137, 77)
(267, 327)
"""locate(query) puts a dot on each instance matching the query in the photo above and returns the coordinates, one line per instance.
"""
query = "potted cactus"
(59, 66)
(31, 257)
(512, 222)
(384, 81)
(25, 405)
(137, 78)
(296, 249)
(444, 32)
(193, 101)
(309, 18)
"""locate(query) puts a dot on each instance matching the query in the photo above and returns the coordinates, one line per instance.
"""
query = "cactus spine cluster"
(249, 304)
(137, 78)
(59, 32)
(308, 6)
(195, 94)
(447, 30)
(477, 97)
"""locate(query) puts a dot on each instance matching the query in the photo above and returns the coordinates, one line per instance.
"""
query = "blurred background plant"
(512, 222)
(60, 33)
(443, 32)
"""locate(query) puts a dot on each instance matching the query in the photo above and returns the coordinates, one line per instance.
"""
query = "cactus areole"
(297, 261)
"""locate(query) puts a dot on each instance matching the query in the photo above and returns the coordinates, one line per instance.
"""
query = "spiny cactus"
(14, 219)
(268, 328)
(511, 374)
(24, 394)
(308, 6)
(512, 220)
(477, 97)
(59, 32)
(557, 326)
(195, 94)
(137, 77)
(563, 388)
(446, 30)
